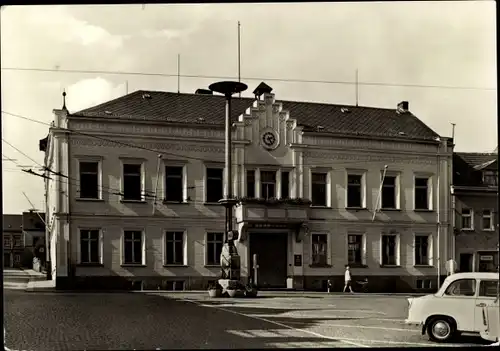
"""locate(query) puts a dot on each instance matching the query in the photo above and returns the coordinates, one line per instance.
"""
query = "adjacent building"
(475, 205)
(133, 185)
(23, 238)
(12, 235)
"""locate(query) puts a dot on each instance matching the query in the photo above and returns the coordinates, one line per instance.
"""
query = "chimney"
(203, 92)
(262, 89)
(403, 107)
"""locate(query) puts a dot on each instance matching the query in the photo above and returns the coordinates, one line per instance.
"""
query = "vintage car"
(464, 303)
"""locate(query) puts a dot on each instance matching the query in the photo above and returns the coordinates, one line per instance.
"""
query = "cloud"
(57, 22)
(163, 33)
(90, 92)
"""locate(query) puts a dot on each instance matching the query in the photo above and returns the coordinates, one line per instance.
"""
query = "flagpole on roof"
(178, 73)
(357, 88)
(239, 56)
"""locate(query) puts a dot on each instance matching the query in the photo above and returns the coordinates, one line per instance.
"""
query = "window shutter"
(328, 249)
(398, 249)
(185, 250)
(143, 237)
(101, 247)
(430, 249)
(363, 249)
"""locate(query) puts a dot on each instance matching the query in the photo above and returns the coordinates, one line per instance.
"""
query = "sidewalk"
(49, 285)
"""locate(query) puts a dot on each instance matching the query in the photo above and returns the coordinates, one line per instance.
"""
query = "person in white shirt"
(347, 276)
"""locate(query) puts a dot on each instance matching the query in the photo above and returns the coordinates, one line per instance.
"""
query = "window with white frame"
(89, 180)
(389, 192)
(423, 250)
(319, 245)
(389, 250)
(355, 249)
(214, 184)
(133, 247)
(268, 184)
(133, 182)
(285, 184)
(174, 183)
(318, 188)
(354, 190)
(174, 248)
(490, 178)
(422, 193)
(488, 219)
(467, 219)
(7, 242)
(250, 183)
(89, 246)
(215, 241)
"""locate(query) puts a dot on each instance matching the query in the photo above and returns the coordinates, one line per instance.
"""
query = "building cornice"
(470, 190)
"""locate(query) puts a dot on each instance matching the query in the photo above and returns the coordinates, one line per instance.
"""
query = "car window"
(462, 287)
(488, 288)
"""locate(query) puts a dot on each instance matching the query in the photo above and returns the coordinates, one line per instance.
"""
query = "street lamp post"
(229, 256)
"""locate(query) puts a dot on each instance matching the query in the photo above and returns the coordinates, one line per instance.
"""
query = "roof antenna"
(357, 91)
(178, 73)
(64, 99)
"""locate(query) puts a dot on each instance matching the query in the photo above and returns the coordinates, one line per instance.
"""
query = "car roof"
(475, 275)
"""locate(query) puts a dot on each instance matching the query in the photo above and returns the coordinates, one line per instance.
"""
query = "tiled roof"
(12, 222)
(209, 109)
(475, 159)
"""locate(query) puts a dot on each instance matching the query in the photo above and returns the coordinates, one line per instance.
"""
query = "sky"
(450, 44)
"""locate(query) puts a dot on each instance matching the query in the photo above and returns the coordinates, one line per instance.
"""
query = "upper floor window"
(89, 179)
(90, 246)
(285, 184)
(215, 242)
(390, 254)
(490, 178)
(174, 248)
(422, 193)
(355, 249)
(389, 192)
(488, 220)
(18, 240)
(423, 250)
(174, 183)
(214, 184)
(7, 242)
(354, 190)
(268, 184)
(132, 182)
(318, 189)
(319, 249)
(467, 219)
(251, 183)
(133, 247)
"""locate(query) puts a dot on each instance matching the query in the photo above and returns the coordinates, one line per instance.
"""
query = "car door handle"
(481, 304)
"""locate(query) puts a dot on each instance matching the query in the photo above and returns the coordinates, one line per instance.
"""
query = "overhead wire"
(284, 80)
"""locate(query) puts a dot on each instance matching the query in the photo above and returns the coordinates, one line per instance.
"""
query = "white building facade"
(135, 183)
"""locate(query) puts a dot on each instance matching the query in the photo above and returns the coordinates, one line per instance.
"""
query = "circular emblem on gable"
(269, 139)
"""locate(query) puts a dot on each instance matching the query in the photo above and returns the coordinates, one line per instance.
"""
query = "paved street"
(57, 321)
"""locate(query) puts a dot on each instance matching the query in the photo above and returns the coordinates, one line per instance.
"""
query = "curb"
(188, 292)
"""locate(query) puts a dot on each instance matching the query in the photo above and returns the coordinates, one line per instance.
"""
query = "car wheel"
(441, 329)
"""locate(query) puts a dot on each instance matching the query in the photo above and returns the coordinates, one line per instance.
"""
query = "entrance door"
(466, 262)
(272, 257)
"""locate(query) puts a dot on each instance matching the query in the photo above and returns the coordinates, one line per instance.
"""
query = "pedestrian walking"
(347, 276)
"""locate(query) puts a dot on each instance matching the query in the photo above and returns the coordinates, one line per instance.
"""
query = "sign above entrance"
(268, 226)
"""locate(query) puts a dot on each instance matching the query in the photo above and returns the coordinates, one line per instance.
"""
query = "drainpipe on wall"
(438, 218)
(68, 194)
